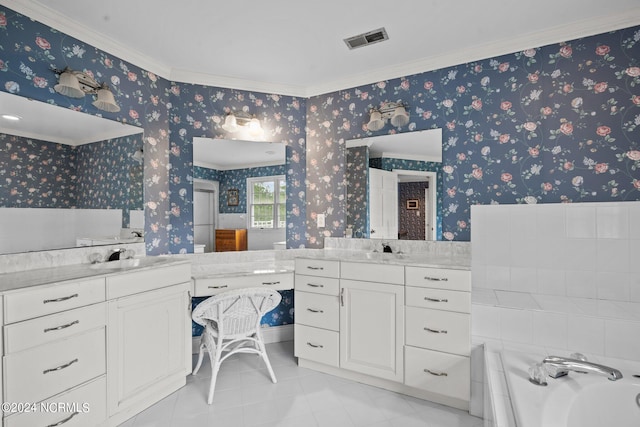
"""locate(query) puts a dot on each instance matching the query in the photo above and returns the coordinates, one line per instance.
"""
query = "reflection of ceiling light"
(394, 112)
(76, 84)
(11, 117)
(238, 120)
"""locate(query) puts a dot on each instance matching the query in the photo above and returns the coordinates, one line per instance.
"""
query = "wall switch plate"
(320, 220)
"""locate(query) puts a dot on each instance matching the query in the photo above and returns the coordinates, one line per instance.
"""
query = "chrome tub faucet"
(557, 366)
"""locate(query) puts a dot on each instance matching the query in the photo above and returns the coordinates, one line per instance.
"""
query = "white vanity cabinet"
(438, 338)
(372, 319)
(401, 327)
(107, 346)
(316, 329)
(54, 344)
(149, 338)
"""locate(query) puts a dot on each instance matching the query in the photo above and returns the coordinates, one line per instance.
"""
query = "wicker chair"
(231, 323)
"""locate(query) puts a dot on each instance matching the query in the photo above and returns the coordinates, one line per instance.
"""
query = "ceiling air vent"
(366, 39)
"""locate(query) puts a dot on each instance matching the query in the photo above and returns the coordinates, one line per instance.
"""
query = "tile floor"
(246, 397)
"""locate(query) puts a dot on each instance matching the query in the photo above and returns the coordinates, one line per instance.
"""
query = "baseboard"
(269, 335)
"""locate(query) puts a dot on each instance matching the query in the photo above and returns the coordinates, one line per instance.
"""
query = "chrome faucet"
(115, 255)
(557, 366)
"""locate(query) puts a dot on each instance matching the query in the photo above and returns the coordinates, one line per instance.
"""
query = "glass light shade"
(255, 129)
(400, 117)
(230, 123)
(68, 85)
(375, 121)
(105, 101)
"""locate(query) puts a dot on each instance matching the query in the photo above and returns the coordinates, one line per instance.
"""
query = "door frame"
(432, 207)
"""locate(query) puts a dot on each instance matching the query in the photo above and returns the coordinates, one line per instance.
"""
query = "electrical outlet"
(320, 220)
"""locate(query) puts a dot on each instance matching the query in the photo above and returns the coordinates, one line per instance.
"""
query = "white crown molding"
(238, 166)
(508, 45)
(186, 76)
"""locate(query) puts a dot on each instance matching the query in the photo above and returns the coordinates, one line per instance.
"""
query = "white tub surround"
(557, 279)
(75, 333)
(575, 400)
(395, 321)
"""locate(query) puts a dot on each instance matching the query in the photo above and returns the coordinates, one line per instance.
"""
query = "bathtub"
(576, 400)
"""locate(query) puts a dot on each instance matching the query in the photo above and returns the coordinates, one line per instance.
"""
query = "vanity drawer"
(440, 278)
(318, 285)
(31, 333)
(216, 285)
(318, 267)
(148, 280)
(438, 330)
(321, 311)
(317, 344)
(41, 372)
(86, 407)
(439, 299)
(391, 274)
(38, 302)
(441, 373)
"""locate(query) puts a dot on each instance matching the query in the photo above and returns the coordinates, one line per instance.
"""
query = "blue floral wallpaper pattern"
(558, 123)
(37, 174)
(357, 177)
(100, 175)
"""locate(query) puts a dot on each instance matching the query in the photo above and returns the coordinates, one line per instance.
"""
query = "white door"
(383, 204)
(372, 328)
(147, 336)
(204, 218)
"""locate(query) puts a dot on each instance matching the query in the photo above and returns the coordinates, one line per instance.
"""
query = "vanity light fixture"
(235, 121)
(394, 112)
(76, 84)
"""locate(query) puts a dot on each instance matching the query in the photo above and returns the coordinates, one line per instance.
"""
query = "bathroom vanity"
(398, 322)
(106, 340)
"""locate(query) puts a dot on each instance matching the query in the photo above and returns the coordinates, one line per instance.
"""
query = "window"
(267, 202)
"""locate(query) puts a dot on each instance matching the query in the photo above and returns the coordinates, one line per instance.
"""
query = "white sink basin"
(127, 263)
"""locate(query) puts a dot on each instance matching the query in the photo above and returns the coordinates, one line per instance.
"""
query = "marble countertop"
(42, 276)
(202, 271)
(456, 262)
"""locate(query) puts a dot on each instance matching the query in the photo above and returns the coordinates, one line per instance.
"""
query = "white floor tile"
(245, 397)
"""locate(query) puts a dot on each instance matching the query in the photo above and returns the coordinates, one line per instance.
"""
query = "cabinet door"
(147, 338)
(372, 328)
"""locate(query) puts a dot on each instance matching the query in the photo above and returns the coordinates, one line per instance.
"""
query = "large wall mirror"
(394, 186)
(239, 187)
(67, 178)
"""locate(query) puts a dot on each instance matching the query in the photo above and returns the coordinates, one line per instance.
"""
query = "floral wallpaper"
(357, 177)
(42, 174)
(35, 173)
(108, 177)
(30, 51)
(558, 123)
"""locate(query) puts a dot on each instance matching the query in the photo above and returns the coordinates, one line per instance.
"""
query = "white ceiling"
(225, 154)
(295, 47)
(423, 145)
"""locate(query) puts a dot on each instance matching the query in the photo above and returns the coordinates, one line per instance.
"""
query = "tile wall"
(558, 278)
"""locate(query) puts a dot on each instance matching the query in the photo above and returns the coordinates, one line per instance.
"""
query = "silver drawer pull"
(66, 365)
(57, 328)
(435, 331)
(47, 301)
(436, 279)
(313, 310)
(313, 285)
(315, 345)
(64, 421)
(218, 287)
(436, 299)
(270, 283)
(437, 374)
(314, 268)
